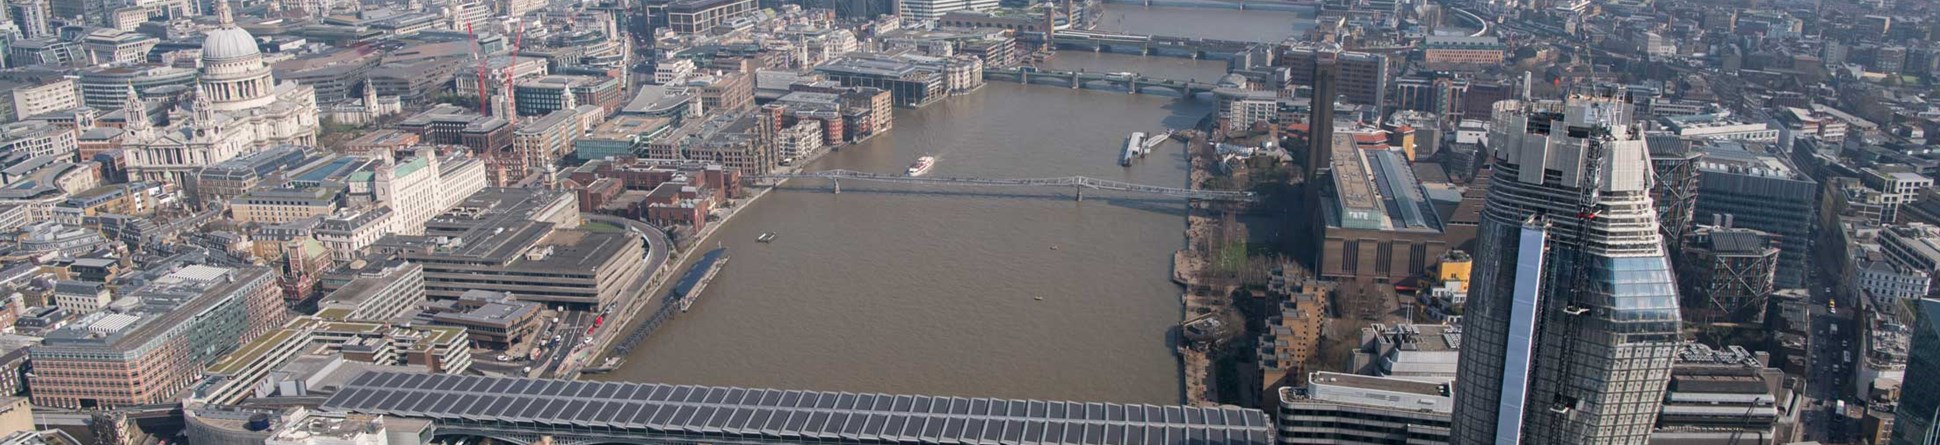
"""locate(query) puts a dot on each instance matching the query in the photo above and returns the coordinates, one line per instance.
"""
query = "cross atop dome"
(223, 16)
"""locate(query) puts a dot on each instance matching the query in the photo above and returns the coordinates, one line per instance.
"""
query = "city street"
(641, 295)
(566, 337)
(1830, 376)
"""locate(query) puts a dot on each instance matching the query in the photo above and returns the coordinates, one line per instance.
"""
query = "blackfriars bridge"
(525, 411)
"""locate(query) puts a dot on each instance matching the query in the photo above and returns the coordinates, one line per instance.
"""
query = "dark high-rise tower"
(1917, 419)
(1572, 316)
(1320, 128)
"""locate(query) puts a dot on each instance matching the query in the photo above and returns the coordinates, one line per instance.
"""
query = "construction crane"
(478, 51)
(511, 103)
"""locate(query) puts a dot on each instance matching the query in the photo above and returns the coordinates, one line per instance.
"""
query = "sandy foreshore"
(1187, 264)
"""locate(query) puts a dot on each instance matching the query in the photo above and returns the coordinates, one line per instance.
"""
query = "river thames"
(970, 292)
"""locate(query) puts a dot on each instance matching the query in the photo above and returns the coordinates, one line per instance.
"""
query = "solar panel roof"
(771, 414)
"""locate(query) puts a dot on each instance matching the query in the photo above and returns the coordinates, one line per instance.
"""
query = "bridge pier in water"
(837, 184)
(1081, 192)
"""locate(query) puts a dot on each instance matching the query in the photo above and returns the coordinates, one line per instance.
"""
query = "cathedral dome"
(229, 43)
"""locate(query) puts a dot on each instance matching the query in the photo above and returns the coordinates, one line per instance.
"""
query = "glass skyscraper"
(1915, 421)
(1572, 322)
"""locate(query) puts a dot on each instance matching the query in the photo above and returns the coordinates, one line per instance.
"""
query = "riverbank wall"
(604, 343)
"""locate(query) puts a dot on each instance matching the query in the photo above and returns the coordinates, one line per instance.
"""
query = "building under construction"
(1675, 191)
(1727, 275)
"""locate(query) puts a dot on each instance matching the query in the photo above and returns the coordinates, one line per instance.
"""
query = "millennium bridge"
(1079, 183)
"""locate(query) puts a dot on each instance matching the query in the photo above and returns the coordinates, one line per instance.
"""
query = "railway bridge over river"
(1134, 82)
(1150, 45)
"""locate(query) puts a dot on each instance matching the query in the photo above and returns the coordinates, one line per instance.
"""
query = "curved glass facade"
(1640, 294)
(1572, 319)
(1919, 410)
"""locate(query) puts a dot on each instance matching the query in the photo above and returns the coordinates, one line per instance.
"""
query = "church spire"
(567, 100)
(370, 98)
(205, 115)
(552, 176)
(226, 18)
(135, 113)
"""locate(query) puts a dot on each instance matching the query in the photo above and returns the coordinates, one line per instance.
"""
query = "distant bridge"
(1244, 5)
(1134, 82)
(1147, 45)
(1079, 183)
